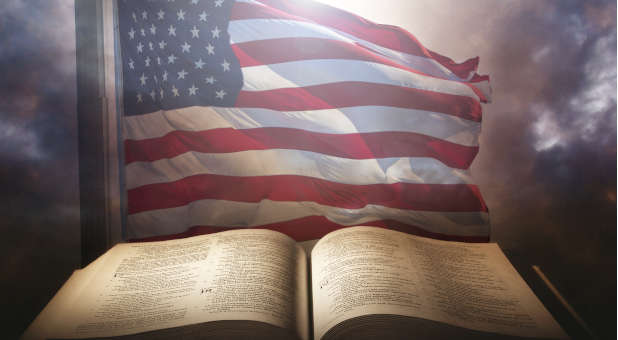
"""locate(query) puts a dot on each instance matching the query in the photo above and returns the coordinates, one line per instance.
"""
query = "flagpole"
(111, 121)
(98, 133)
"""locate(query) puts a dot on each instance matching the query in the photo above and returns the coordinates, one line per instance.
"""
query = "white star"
(142, 32)
(203, 16)
(161, 14)
(210, 80)
(195, 33)
(171, 59)
(215, 32)
(220, 94)
(153, 29)
(144, 15)
(140, 47)
(152, 94)
(193, 90)
(162, 44)
(132, 34)
(156, 79)
(147, 61)
(210, 49)
(165, 75)
(143, 79)
(172, 30)
(218, 3)
(182, 74)
(226, 65)
(199, 64)
(134, 16)
(150, 46)
(139, 98)
(181, 15)
(175, 91)
(194, 2)
(131, 64)
(185, 47)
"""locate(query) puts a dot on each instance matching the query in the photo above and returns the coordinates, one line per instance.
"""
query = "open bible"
(356, 283)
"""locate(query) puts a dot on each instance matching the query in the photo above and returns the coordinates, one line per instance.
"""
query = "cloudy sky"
(547, 165)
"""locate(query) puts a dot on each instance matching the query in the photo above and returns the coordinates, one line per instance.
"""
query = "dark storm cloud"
(547, 165)
(582, 64)
(553, 69)
(37, 106)
(37, 112)
(38, 156)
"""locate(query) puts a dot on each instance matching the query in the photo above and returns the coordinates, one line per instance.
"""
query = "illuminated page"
(255, 275)
(362, 271)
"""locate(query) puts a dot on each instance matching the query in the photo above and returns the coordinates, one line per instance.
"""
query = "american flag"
(293, 116)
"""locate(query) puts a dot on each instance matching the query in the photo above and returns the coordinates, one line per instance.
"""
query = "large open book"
(357, 283)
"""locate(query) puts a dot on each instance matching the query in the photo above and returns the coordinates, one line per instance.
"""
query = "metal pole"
(98, 138)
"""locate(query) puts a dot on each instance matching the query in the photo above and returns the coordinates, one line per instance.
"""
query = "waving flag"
(293, 116)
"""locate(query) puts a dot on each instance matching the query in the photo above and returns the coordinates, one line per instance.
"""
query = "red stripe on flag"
(347, 94)
(314, 227)
(354, 146)
(428, 197)
(462, 70)
(478, 78)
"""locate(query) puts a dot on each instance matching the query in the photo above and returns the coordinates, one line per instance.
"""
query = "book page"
(363, 270)
(254, 275)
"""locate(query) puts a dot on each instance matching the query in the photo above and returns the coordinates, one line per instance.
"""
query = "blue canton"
(176, 53)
